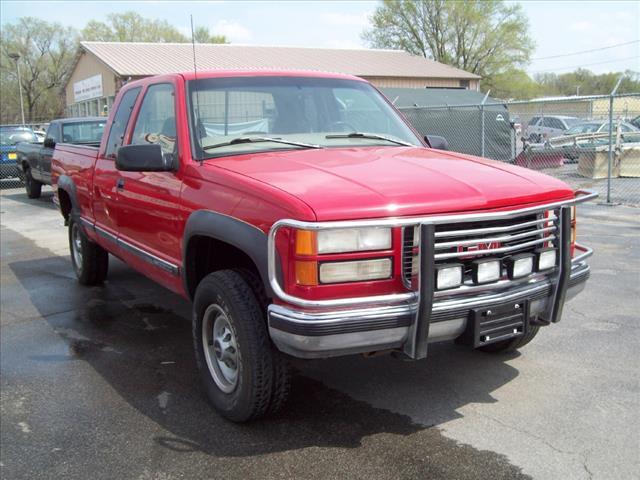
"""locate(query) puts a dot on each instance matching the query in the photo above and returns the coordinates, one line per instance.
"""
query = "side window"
(52, 133)
(156, 122)
(120, 120)
(534, 121)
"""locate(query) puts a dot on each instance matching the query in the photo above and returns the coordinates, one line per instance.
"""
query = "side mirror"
(143, 158)
(49, 142)
(439, 143)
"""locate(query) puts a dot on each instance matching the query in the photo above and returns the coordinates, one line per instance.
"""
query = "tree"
(47, 52)
(512, 84)
(485, 37)
(202, 35)
(585, 82)
(132, 27)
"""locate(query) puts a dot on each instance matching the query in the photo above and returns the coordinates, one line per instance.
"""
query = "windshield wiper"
(239, 140)
(372, 136)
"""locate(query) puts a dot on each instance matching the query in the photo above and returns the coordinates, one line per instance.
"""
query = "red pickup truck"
(303, 216)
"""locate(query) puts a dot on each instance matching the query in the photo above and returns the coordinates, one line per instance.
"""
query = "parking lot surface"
(101, 383)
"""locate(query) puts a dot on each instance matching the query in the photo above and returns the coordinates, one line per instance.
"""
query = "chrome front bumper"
(320, 333)
(412, 319)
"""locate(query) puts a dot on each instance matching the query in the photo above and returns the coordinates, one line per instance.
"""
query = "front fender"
(241, 235)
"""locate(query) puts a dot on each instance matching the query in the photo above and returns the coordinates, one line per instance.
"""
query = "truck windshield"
(320, 112)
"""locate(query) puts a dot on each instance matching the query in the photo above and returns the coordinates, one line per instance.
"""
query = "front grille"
(467, 241)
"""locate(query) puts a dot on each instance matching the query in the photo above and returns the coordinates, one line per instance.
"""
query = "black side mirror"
(49, 142)
(439, 143)
(143, 158)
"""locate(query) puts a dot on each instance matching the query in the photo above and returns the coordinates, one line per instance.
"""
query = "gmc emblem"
(478, 247)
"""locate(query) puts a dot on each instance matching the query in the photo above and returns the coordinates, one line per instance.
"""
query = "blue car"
(9, 137)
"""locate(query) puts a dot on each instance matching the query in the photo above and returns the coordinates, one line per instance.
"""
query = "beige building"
(101, 68)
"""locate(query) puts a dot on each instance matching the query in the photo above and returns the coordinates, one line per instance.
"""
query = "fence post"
(610, 159)
(482, 123)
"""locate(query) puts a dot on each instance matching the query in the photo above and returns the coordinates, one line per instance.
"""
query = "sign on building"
(88, 88)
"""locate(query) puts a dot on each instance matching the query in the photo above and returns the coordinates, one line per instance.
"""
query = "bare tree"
(47, 52)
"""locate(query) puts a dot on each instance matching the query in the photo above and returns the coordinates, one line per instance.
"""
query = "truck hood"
(373, 182)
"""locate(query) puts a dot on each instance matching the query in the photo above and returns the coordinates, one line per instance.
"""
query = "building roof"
(143, 59)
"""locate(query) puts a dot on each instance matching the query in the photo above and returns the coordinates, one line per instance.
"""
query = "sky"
(557, 27)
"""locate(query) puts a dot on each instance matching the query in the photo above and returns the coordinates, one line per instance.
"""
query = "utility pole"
(610, 162)
(16, 57)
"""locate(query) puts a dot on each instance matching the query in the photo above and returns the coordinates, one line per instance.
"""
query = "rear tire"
(90, 261)
(32, 186)
(244, 375)
(508, 346)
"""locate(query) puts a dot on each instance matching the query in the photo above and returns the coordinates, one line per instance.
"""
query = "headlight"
(546, 258)
(359, 271)
(485, 270)
(353, 240)
(448, 276)
(520, 266)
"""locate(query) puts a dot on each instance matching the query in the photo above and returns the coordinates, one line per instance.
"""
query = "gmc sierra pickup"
(303, 216)
(34, 158)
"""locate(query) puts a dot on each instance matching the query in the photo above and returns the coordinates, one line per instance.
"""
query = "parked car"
(40, 134)
(34, 158)
(541, 128)
(9, 137)
(305, 217)
(599, 126)
(587, 135)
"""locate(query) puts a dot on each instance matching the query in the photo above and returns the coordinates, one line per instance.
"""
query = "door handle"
(120, 184)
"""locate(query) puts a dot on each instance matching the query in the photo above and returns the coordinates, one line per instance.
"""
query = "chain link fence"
(569, 138)
(588, 142)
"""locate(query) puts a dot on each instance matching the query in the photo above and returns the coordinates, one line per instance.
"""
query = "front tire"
(31, 185)
(243, 374)
(511, 345)
(90, 261)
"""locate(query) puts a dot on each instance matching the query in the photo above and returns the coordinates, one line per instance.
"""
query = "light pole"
(16, 57)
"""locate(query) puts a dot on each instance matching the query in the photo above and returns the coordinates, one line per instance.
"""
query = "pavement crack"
(527, 433)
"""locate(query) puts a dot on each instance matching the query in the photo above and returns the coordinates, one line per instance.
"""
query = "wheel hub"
(220, 348)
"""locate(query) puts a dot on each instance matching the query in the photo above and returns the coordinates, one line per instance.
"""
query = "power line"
(586, 51)
(586, 64)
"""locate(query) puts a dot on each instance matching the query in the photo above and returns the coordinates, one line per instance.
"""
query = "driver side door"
(149, 221)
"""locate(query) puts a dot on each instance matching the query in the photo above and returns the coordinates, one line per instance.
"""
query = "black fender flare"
(241, 235)
(66, 183)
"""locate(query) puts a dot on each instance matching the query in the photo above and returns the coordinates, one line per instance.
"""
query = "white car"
(544, 127)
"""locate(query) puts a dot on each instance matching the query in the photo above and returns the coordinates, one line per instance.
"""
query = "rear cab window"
(52, 132)
(120, 121)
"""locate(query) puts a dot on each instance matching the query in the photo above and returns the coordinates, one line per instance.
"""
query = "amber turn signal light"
(306, 243)
(307, 273)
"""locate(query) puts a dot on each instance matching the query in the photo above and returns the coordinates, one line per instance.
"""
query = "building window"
(464, 83)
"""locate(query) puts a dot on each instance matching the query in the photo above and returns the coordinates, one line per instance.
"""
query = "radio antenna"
(193, 45)
(196, 116)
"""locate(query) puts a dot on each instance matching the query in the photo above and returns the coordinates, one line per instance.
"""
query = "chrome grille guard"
(426, 262)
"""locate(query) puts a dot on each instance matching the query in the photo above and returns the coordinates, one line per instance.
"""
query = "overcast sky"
(558, 27)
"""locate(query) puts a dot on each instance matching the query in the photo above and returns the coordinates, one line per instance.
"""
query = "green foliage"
(202, 35)
(485, 37)
(132, 27)
(585, 82)
(512, 84)
(515, 84)
(47, 51)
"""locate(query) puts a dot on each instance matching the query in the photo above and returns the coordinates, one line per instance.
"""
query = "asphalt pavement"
(101, 383)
